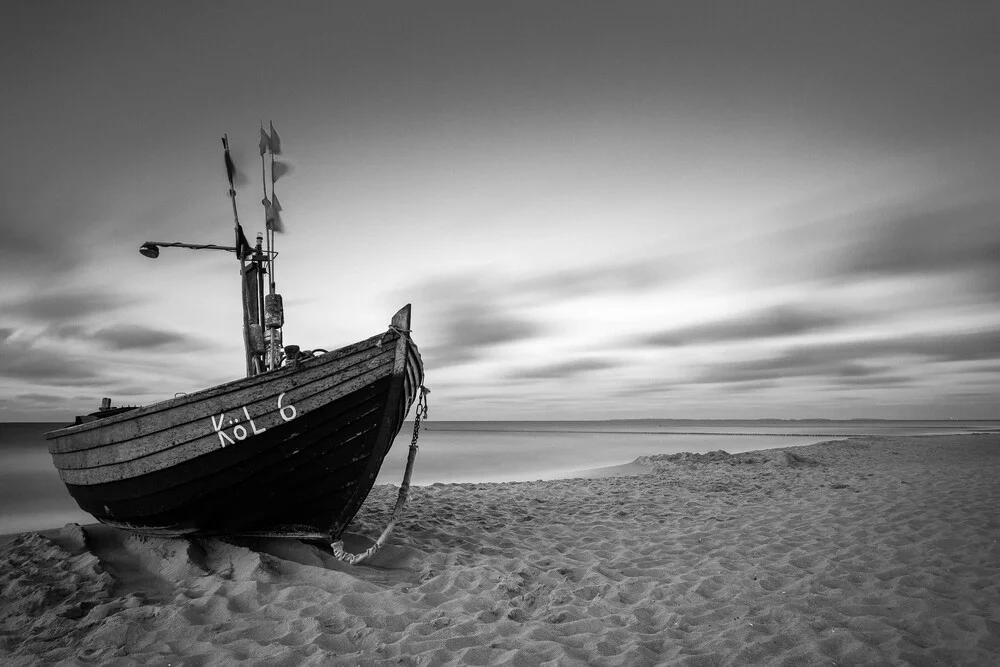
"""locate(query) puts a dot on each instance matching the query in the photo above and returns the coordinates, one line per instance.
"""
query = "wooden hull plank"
(138, 425)
(164, 489)
(172, 404)
(199, 437)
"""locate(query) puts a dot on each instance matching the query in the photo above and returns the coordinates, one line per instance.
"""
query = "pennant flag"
(230, 167)
(275, 144)
(272, 219)
(236, 177)
(243, 248)
(265, 141)
(275, 202)
(274, 222)
(239, 179)
(279, 169)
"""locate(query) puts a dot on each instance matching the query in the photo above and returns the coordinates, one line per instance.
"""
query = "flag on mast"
(265, 141)
(275, 143)
(230, 167)
(279, 169)
(272, 214)
(272, 208)
(243, 248)
(236, 177)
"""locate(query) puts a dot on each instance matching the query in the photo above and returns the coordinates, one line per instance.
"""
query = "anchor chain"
(419, 415)
(404, 490)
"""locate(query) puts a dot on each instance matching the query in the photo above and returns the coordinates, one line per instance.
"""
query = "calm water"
(33, 498)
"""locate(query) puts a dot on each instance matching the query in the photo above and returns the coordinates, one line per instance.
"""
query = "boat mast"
(252, 262)
(242, 249)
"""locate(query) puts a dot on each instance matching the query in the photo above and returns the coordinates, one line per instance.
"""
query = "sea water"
(32, 497)
(523, 451)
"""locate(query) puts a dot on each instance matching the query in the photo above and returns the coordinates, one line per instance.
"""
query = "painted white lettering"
(253, 427)
(291, 415)
(217, 426)
(240, 432)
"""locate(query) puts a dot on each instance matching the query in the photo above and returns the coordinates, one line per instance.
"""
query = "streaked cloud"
(921, 238)
(646, 388)
(40, 400)
(137, 337)
(31, 247)
(770, 323)
(572, 282)
(860, 370)
(60, 306)
(45, 366)
(563, 370)
(471, 329)
(873, 381)
(848, 359)
(121, 337)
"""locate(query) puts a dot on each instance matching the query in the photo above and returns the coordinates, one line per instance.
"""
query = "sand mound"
(860, 552)
(718, 456)
(773, 457)
(793, 460)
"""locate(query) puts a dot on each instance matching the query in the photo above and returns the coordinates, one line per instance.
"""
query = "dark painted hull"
(291, 452)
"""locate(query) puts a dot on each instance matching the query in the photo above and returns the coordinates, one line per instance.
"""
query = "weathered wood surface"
(144, 423)
(105, 431)
(259, 403)
(298, 485)
(167, 452)
(397, 404)
(401, 319)
(336, 428)
(200, 420)
(295, 483)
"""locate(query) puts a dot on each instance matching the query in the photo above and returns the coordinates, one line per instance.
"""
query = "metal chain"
(404, 490)
(420, 415)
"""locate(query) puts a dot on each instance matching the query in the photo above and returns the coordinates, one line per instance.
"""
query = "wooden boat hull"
(291, 452)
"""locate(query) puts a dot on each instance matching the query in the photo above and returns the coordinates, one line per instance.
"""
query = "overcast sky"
(598, 210)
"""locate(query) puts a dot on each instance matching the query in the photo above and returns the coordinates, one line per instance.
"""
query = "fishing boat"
(292, 449)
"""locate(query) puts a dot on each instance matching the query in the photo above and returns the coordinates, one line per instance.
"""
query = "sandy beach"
(863, 551)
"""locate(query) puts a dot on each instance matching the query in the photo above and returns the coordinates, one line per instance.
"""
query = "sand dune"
(865, 551)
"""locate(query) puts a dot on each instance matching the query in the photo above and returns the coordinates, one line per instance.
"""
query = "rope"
(399, 330)
(404, 490)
